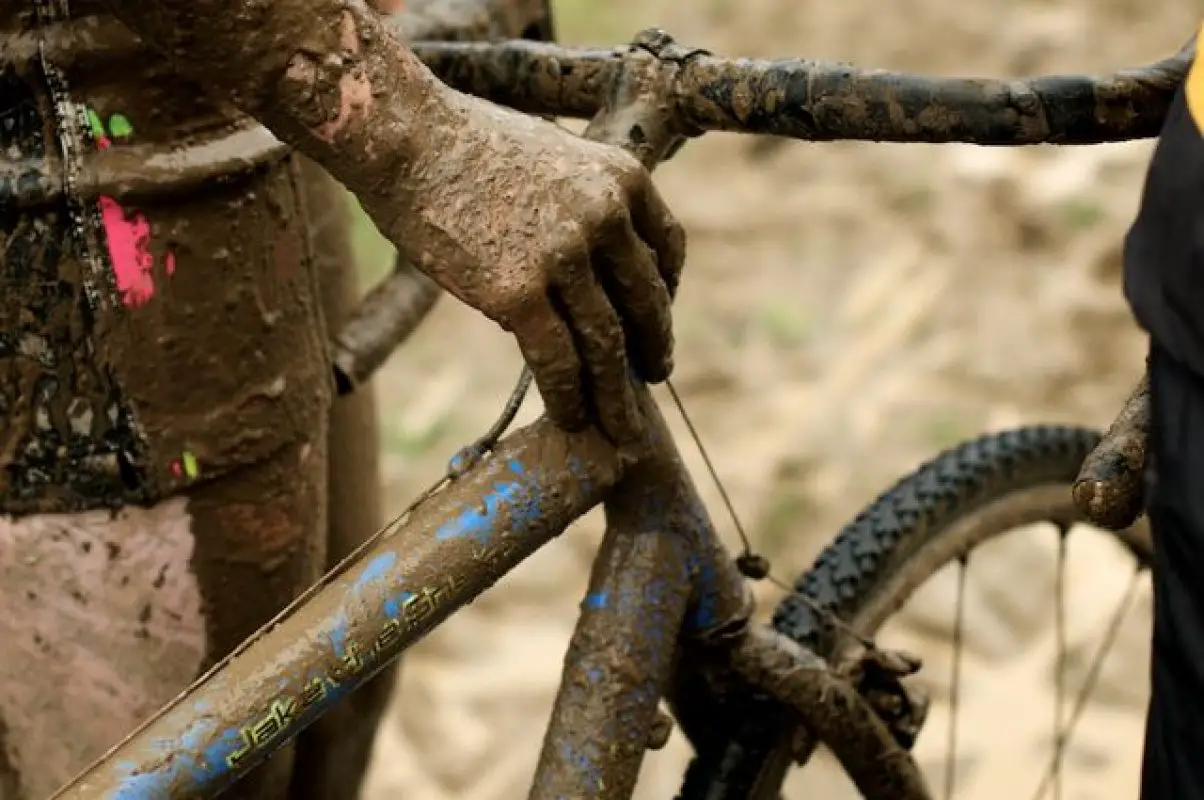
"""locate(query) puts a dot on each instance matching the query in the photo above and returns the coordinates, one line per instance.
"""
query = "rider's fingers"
(661, 231)
(627, 270)
(547, 346)
(599, 335)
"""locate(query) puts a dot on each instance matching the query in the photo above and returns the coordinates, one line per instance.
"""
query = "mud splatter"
(355, 88)
(102, 631)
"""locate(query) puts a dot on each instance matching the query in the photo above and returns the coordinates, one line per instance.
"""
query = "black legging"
(1173, 761)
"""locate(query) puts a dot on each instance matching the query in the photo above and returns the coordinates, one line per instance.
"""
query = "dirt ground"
(847, 311)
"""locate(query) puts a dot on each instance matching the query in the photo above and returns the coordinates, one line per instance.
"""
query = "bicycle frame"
(660, 570)
(665, 597)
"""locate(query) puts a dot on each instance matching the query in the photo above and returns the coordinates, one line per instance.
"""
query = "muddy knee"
(260, 540)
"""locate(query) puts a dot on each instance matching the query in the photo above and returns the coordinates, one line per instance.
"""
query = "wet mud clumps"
(832, 707)
(817, 101)
(319, 74)
(144, 247)
(328, 78)
(533, 77)
(148, 235)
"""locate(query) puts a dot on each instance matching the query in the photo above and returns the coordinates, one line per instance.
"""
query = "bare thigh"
(107, 616)
(101, 619)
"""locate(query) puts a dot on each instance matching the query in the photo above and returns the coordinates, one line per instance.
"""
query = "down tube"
(455, 546)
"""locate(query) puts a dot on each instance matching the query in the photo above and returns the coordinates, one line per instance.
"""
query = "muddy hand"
(562, 241)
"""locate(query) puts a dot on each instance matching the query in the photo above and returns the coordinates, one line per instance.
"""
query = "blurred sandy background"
(847, 311)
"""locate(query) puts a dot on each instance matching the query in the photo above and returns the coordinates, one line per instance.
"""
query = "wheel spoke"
(963, 567)
(1091, 679)
(1060, 665)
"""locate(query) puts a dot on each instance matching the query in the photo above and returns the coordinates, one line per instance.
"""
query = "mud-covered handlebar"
(819, 101)
(801, 99)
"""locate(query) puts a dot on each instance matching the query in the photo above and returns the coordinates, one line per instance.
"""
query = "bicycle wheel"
(966, 496)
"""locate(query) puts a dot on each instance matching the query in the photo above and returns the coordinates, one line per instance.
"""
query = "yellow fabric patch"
(1193, 88)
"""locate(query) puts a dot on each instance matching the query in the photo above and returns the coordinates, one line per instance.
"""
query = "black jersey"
(1164, 249)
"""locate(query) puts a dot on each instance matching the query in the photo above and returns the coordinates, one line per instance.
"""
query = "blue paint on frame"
(584, 762)
(578, 470)
(482, 524)
(338, 636)
(394, 604)
(596, 600)
(191, 765)
(705, 608)
(183, 770)
(375, 570)
(514, 500)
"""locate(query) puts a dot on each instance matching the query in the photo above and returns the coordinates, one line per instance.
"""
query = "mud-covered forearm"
(325, 76)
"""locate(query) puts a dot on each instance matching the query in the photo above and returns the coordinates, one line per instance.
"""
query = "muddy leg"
(102, 623)
(109, 614)
(333, 753)
(259, 542)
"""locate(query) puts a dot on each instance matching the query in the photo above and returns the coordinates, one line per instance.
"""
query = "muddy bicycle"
(668, 611)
